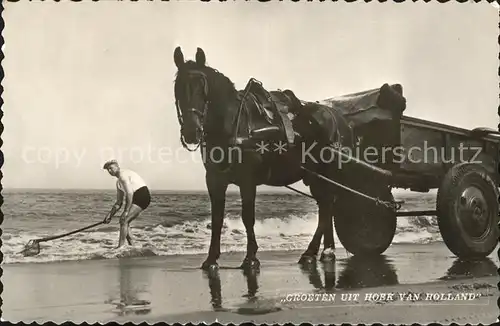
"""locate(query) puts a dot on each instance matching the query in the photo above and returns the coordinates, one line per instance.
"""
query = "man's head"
(112, 167)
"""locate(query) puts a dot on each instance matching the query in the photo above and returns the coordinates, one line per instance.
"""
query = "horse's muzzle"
(193, 136)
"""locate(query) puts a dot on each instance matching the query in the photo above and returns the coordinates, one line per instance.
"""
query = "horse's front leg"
(217, 187)
(248, 192)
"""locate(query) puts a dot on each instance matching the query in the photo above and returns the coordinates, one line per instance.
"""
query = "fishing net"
(32, 248)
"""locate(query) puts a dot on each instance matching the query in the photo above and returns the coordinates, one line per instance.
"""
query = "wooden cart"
(462, 164)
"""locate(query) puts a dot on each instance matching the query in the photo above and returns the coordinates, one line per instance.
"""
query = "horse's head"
(204, 98)
(191, 95)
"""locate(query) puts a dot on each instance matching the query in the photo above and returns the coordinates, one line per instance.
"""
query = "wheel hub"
(473, 211)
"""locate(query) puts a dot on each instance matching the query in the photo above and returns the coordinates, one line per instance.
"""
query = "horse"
(222, 121)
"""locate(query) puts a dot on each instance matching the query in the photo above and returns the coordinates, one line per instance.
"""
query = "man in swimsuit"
(137, 198)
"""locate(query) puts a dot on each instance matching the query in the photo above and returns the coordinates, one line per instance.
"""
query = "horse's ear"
(178, 57)
(200, 57)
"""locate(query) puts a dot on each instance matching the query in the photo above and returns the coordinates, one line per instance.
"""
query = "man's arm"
(129, 194)
(116, 206)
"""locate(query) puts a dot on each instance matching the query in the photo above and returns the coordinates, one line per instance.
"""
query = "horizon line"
(152, 190)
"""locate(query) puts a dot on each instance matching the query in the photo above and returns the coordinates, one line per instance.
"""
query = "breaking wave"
(292, 232)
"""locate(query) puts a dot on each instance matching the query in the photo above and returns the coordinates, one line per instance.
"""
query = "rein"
(181, 122)
(202, 114)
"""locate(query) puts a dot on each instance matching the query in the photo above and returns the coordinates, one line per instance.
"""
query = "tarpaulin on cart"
(384, 103)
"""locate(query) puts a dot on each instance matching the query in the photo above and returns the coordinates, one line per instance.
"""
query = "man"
(137, 198)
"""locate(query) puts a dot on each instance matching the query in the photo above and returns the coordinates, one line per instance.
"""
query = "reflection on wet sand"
(129, 302)
(214, 283)
(362, 272)
(312, 271)
(253, 305)
(252, 284)
(470, 268)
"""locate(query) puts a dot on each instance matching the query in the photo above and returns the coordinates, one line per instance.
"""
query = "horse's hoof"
(250, 264)
(209, 266)
(327, 255)
(307, 259)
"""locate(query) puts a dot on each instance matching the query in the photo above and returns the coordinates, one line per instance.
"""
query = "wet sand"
(174, 289)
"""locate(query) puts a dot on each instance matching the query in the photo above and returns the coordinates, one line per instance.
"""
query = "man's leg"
(124, 225)
(129, 235)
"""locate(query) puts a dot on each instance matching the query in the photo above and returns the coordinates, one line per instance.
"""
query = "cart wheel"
(363, 227)
(467, 210)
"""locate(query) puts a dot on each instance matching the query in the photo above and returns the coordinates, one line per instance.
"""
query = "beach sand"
(174, 289)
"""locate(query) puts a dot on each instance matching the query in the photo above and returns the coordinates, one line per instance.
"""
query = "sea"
(176, 223)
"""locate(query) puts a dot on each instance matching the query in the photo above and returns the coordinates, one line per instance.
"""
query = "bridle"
(201, 115)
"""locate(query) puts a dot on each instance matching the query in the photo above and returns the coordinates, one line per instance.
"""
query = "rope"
(377, 201)
(300, 192)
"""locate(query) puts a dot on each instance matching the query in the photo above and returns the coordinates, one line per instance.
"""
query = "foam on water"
(193, 237)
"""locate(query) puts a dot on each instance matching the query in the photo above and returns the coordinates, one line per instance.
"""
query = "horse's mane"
(221, 87)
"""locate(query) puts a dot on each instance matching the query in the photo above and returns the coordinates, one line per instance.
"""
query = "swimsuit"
(142, 197)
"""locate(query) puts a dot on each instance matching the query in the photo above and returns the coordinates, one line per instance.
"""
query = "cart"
(461, 164)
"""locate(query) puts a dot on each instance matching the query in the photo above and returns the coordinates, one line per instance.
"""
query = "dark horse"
(223, 121)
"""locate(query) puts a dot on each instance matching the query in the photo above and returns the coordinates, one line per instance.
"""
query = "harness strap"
(284, 119)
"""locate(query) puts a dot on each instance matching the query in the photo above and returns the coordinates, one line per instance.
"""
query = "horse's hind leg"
(328, 253)
(248, 192)
(217, 187)
(309, 256)
(324, 195)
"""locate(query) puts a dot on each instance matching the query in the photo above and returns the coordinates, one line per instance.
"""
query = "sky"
(85, 82)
